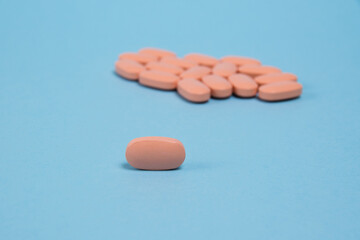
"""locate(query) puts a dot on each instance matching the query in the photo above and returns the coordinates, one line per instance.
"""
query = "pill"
(138, 57)
(128, 69)
(240, 61)
(243, 85)
(193, 90)
(280, 91)
(196, 72)
(275, 77)
(224, 69)
(158, 79)
(159, 53)
(155, 153)
(202, 59)
(165, 67)
(180, 62)
(255, 71)
(219, 86)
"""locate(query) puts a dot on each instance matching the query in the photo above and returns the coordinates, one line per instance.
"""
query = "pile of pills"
(197, 77)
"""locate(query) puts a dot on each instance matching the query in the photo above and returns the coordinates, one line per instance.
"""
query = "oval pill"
(202, 59)
(275, 77)
(243, 85)
(280, 91)
(128, 69)
(193, 90)
(196, 72)
(159, 53)
(141, 58)
(165, 67)
(224, 69)
(255, 71)
(219, 86)
(180, 62)
(158, 79)
(155, 153)
(240, 61)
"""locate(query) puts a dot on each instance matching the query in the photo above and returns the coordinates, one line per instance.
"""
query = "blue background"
(254, 170)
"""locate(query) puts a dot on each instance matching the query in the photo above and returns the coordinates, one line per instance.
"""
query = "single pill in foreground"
(275, 77)
(244, 86)
(158, 79)
(202, 59)
(279, 91)
(219, 86)
(193, 90)
(155, 153)
(255, 71)
(128, 69)
(159, 53)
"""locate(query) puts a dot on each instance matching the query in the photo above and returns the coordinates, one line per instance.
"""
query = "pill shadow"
(280, 101)
(128, 167)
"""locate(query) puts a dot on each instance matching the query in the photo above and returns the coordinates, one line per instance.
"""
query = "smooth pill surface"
(139, 57)
(128, 69)
(243, 85)
(240, 61)
(165, 67)
(159, 53)
(219, 86)
(275, 77)
(202, 59)
(158, 79)
(196, 72)
(224, 69)
(193, 90)
(180, 62)
(255, 71)
(280, 91)
(155, 153)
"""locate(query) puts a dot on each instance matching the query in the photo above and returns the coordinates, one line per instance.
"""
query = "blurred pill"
(155, 153)
(128, 69)
(158, 79)
(159, 53)
(196, 72)
(280, 91)
(243, 85)
(165, 67)
(180, 62)
(224, 69)
(255, 71)
(138, 57)
(219, 86)
(193, 90)
(240, 61)
(275, 77)
(202, 59)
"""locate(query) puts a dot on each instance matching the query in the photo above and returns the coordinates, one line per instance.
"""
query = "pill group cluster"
(197, 77)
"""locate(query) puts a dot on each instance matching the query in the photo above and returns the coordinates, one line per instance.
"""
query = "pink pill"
(219, 86)
(241, 61)
(159, 53)
(196, 72)
(141, 58)
(275, 77)
(244, 86)
(158, 79)
(155, 153)
(129, 69)
(165, 67)
(202, 59)
(255, 71)
(280, 91)
(193, 90)
(180, 62)
(224, 69)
